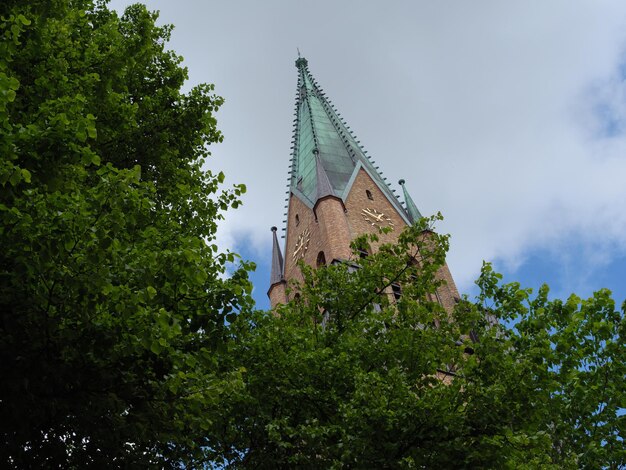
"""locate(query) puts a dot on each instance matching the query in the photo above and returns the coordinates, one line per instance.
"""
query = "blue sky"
(508, 117)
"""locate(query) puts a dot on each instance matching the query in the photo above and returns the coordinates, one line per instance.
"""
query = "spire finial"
(411, 209)
(298, 49)
(301, 62)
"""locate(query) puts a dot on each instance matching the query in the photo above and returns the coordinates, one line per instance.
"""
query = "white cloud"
(492, 111)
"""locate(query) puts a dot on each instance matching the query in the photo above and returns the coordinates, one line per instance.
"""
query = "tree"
(113, 295)
(124, 344)
(352, 378)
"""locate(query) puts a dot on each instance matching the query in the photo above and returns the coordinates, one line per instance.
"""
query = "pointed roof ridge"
(324, 188)
(319, 127)
(411, 209)
(277, 260)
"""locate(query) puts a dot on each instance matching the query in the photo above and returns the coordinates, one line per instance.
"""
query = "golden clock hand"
(368, 212)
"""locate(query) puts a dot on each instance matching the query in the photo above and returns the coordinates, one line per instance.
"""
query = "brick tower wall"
(334, 229)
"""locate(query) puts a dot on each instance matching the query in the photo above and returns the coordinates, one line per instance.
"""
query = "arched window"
(362, 249)
(369, 194)
(321, 259)
(397, 291)
(297, 220)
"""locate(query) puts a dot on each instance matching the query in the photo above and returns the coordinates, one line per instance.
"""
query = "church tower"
(336, 193)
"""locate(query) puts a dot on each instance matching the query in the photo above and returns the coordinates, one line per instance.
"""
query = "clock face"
(376, 218)
(302, 243)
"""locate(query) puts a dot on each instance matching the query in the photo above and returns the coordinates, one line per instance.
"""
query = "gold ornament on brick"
(302, 244)
(376, 218)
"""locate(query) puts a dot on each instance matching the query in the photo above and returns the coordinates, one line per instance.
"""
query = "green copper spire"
(322, 139)
(411, 208)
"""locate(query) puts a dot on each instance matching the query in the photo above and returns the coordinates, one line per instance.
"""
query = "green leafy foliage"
(124, 344)
(349, 377)
(113, 294)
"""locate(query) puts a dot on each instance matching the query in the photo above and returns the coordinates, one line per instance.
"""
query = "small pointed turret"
(277, 291)
(324, 188)
(277, 261)
(411, 209)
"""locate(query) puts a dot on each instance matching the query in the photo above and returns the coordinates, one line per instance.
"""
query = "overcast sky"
(508, 117)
